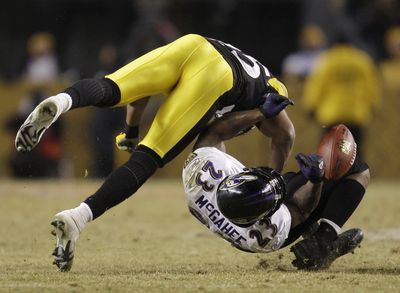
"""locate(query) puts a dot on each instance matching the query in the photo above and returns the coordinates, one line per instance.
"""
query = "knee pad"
(143, 163)
(101, 92)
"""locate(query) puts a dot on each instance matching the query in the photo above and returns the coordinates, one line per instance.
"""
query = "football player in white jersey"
(256, 209)
(255, 220)
(210, 171)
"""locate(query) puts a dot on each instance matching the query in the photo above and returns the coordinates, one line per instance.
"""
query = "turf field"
(151, 243)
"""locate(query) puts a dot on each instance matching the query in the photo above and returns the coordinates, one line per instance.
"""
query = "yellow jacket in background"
(343, 87)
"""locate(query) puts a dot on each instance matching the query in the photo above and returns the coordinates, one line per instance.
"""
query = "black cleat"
(312, 254)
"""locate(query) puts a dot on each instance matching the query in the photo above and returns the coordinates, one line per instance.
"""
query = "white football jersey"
(203, 171)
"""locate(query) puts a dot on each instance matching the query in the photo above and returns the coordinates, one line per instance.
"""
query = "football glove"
(128, 139)
(126, 144)
(312, 167)
(274, 104)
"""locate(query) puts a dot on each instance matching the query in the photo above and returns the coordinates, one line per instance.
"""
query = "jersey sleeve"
(206, 167)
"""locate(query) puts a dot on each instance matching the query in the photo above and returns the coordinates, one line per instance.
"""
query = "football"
(339, 150)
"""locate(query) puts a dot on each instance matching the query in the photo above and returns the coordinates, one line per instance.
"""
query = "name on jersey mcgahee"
(219, 221)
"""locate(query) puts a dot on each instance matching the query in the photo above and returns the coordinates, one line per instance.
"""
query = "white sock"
(63, 102)
(334, 225)
(82, 215)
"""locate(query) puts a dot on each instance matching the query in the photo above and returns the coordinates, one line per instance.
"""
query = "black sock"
(343, 201)
(123, 182)
(100, 92)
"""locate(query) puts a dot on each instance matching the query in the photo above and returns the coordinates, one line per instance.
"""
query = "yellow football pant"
(192, 75)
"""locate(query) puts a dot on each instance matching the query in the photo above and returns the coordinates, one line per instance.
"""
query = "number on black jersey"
(249, 64)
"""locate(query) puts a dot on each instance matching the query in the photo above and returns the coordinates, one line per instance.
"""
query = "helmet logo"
(236, 180)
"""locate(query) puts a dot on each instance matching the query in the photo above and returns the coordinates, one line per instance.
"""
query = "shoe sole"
(35, 125)
(63, 254)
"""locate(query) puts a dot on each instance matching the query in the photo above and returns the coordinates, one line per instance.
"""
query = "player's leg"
(190, 105)
(345, 197)
(67, 227)
(186, 111)
(340, 200)
(96, 92)
(180, 118)
(153, 73)
(157, 71)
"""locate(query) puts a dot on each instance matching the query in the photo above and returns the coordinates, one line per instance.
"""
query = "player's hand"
(274, 104)
(312, 167)
(126, 144)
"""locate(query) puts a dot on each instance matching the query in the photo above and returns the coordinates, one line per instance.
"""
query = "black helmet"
(246, 197)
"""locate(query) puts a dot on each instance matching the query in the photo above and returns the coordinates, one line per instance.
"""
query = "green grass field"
(151, 243)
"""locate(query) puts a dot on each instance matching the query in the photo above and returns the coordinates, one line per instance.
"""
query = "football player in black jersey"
(200, 78)
(318, 207)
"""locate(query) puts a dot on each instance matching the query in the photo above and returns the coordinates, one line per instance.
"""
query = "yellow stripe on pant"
(190, 72)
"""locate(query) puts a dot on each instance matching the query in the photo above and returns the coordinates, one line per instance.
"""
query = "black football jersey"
(250, 80)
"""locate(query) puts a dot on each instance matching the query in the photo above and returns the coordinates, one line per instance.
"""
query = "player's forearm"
(304, 202)
(134, 111)
(281, 148)
(235, 123)
(228, 127)
(315, 195)
(282, 133)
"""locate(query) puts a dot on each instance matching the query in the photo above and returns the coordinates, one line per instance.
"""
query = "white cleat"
(30, 133)
(67, 233)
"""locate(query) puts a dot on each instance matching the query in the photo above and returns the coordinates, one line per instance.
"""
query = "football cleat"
(311, 254)
(67, 233)
(30, 133)
(310, 230)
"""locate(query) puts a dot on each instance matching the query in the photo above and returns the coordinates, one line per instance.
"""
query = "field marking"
(382, 234)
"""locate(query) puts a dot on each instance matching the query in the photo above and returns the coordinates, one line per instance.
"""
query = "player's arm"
(282, 133)
(303, 202)
(134, 111)
(128, 139)
(306, 198)
(227, 127)
(234, 124)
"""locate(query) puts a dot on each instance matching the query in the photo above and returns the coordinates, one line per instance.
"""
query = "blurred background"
(339, 59)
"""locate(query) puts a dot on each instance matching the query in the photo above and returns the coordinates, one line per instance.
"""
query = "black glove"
(274, 104)
(128, 140)
(312, 167)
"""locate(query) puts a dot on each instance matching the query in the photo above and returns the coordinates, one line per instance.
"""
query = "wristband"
(131, 131)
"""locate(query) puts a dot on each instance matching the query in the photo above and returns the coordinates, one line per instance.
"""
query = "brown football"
(339, 150)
